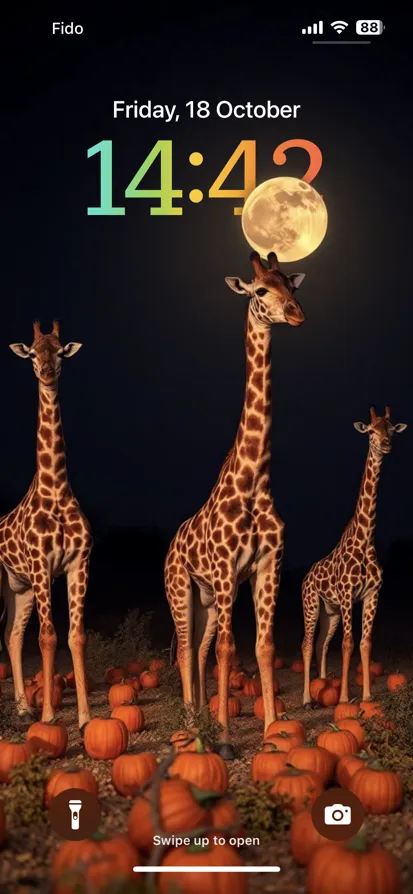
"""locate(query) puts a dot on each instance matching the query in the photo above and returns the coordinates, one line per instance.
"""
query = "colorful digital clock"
(166, 193)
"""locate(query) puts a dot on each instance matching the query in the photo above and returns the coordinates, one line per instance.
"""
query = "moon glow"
(285, 215)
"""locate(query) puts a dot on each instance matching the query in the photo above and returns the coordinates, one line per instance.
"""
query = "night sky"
(152, 401)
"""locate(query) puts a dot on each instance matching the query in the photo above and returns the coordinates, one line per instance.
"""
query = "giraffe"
(351, 572)
(237, 534)
(45, 536)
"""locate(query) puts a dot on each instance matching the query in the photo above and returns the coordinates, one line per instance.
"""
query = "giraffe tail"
(173, 648)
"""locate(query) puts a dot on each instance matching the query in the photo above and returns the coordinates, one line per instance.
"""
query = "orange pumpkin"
(284, 741)
(315, 758)
(121, 694)
(259, 707)
(375, 668)
(380, 791)
(252, 687)
(234, 705)
(132, 716)
(74, 777)
(149, 680)
(70, 680)
(355, 727)
(224, 813)
(304, 838)
(135, 668)
(131, 771)
(347, 766)
(328, 697)
(302, 787)
(298, 666)
(134, 682)
(185, 740)
(267, 763)
(58, 680)
(371, 709)
(93, 864)
(2, 825)
(335, 682)
(29, 690)
(279, 662)
(285, 725)
(237, 679)
(105, 739)
(348, 709)
(50, 737)
(5, 670)
(38, 697)
(215, 671)
(352, 866)
(206, 770)
(12, 753)
(396, 681)
(178, 811)
(338, 741)
(195, 857)
(114, 675)
(316, 686)
(157, 664)
(358, 679)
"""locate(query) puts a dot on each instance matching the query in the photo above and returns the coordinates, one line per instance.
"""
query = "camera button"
(337, 814)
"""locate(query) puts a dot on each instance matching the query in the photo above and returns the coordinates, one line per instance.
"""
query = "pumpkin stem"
(376, 765)
(197, 848)
(202, 795)
(334, 728)
(358, 843)
(199, 745)
(294, 770)
(98, 836)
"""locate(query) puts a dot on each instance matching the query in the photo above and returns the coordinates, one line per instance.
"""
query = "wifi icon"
(339, 27)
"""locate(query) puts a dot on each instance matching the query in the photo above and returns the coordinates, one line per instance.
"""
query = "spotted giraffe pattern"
(237, 534)
(45, 536)
(350, 573)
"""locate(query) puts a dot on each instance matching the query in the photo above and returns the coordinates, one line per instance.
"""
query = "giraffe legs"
(265, 585)
(311, 611)
(346, 605)
(225, 590)
(329, 621)
(179, 594)
(369, 611)
(47, 639)
(205, 625)
(77, 579)
(19, 608)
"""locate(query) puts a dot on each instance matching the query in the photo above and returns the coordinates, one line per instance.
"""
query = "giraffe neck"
(252, 444)
(51, 452)
(365, 514)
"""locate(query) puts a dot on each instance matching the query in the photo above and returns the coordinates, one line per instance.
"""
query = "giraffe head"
(46, 353)
(381, 431)
(271, 292)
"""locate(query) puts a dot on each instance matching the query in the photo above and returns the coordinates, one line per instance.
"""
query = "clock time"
(162, 151)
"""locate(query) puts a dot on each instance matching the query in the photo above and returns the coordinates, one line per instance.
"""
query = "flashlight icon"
(75, 808)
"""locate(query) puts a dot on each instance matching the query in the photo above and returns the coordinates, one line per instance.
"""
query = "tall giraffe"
(351, 572)
(45, 536)
(237, 534)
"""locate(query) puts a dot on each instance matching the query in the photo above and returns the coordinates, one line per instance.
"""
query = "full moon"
(284, 215)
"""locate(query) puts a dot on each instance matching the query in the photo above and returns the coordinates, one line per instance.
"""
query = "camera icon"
(337, 815)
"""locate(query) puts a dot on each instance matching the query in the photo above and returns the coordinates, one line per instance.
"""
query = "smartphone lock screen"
(206, 534)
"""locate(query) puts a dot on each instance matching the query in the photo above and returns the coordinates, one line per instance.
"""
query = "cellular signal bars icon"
(313, 29)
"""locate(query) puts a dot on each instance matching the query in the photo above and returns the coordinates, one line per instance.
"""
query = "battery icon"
(369, 26)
